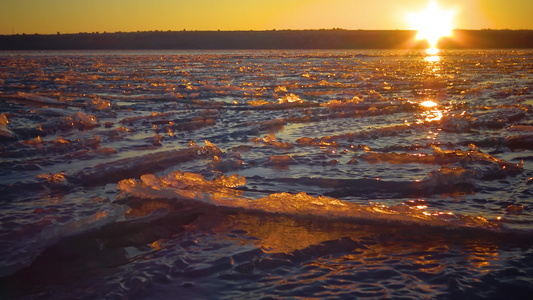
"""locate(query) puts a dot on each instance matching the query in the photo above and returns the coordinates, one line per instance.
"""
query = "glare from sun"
(432, 24)
(432, 51)
(428, 104)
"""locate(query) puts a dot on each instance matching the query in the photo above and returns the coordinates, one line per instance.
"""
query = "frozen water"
(283, 174)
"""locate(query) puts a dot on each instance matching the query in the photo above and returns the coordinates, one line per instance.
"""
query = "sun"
(432, 24)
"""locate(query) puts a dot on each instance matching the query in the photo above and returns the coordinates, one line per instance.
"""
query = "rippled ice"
(266, 174)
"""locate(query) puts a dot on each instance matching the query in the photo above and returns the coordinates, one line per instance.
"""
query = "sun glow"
(432, 24)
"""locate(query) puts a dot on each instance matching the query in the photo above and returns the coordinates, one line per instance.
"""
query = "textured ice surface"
(260, 174)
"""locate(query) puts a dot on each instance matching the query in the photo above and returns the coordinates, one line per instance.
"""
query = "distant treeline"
(281, 39)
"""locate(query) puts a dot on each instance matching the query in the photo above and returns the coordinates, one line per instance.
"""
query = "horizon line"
(247, 30)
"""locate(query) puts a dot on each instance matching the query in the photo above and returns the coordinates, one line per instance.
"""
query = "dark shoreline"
(282, 39)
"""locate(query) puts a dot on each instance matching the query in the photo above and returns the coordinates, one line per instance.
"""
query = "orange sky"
(73, 16)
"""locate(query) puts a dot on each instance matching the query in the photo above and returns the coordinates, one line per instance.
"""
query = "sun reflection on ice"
(431, 113)
(428, 104)
(433, 52)
(433, 58)
(433, 62)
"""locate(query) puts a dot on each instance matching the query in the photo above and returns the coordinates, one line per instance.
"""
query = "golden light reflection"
(433, 52)
(428, 104)
(430, 113)
(482, 255)
(433, 64)
(285, 235)
(156, 245)
(432, 58)
(432, 24)
(281, 234)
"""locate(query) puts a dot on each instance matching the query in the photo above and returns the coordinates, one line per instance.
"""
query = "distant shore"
(281, 39)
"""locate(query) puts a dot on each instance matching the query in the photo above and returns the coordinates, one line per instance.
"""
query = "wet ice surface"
(266, 174)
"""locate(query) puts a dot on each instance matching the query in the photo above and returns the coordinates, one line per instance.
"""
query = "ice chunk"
(355, 102)
(35, 142)
(56, 180)
(188, 186)
(290, 98)
(61, 140)
(374, 96)
(272, 141)
(99, 104)
(448, 177)
(456, 123)
(398, 158)
(3, 120)
(280, 89)
(496, 167)
(269, 138)
(135, 166)
(520, 128)
(257, 102)
(51, 112)
(219, 192)
(38, 98)
(280, 160)
(210, 148)
(5, 133)
(78, 120)
(306, 141)
(226, 164)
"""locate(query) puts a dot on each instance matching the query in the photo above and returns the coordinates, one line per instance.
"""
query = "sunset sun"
(432, 24)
